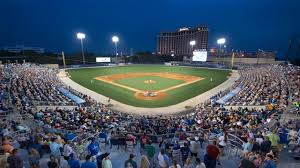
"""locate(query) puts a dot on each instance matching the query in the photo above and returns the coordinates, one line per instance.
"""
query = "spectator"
(93, 147)
(209, 161)
(247, 147)
(34, 158)
(266, 145)
(269, 162)
(212, 150)
(55, 149)
(52, 163)
(211, 156)
(175, 165)
(201, 139)
(256, 147)
(144, 141)
(257, 160)
(245, 163)
(199, 163)
(185, 150)
(188, 163)
(145, 162)
(88, 163)
(222, 143)
(3, 158)
(130, 163)
(283, 135)
(163, 159)
(106, 163)
(7, 147)
(67, 150)
(73, 162)
(194, 147)
(103, 135)
(274, 138)
(150, 150)
(14, 160)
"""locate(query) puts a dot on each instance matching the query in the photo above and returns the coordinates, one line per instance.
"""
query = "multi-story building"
(178, 43)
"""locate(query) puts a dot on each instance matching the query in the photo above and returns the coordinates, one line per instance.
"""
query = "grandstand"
(250, 118)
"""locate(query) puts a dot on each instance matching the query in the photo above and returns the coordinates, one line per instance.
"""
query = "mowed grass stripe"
(85, 75)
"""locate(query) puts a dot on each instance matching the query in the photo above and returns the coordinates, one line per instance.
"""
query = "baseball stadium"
(120, 109)
(118, 84)
(138, 105)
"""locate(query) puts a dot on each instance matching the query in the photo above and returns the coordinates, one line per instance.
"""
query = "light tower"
(81, 36)
(221, 41)
(115, 39)
(192, 43)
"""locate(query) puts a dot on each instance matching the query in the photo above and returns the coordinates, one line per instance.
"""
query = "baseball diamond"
(149, 85)
(181, 79)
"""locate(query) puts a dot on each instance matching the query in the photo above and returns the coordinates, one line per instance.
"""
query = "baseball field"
(149, 85)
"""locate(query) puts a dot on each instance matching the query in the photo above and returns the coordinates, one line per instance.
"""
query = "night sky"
(52, 24)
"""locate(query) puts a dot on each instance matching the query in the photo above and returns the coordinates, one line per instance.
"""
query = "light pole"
(81, 36)
(221, 42)
(192, 43)
(115, 39)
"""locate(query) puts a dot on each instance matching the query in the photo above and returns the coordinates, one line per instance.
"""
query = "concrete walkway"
(169, 110)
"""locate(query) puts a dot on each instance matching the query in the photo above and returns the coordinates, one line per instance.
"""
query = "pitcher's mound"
(149, 81)
(143, 96)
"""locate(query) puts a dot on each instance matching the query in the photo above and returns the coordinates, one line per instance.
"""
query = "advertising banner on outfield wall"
(102, 59)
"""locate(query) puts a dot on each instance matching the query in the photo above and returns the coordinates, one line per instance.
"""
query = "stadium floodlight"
(192, 43)
(115, 39)
(81, 36)
(221, 41)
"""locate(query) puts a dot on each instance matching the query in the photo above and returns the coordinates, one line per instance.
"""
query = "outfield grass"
(85, 75)
(138, 82)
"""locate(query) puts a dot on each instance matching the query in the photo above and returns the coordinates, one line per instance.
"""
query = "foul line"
(178, 86)
(123, 86)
